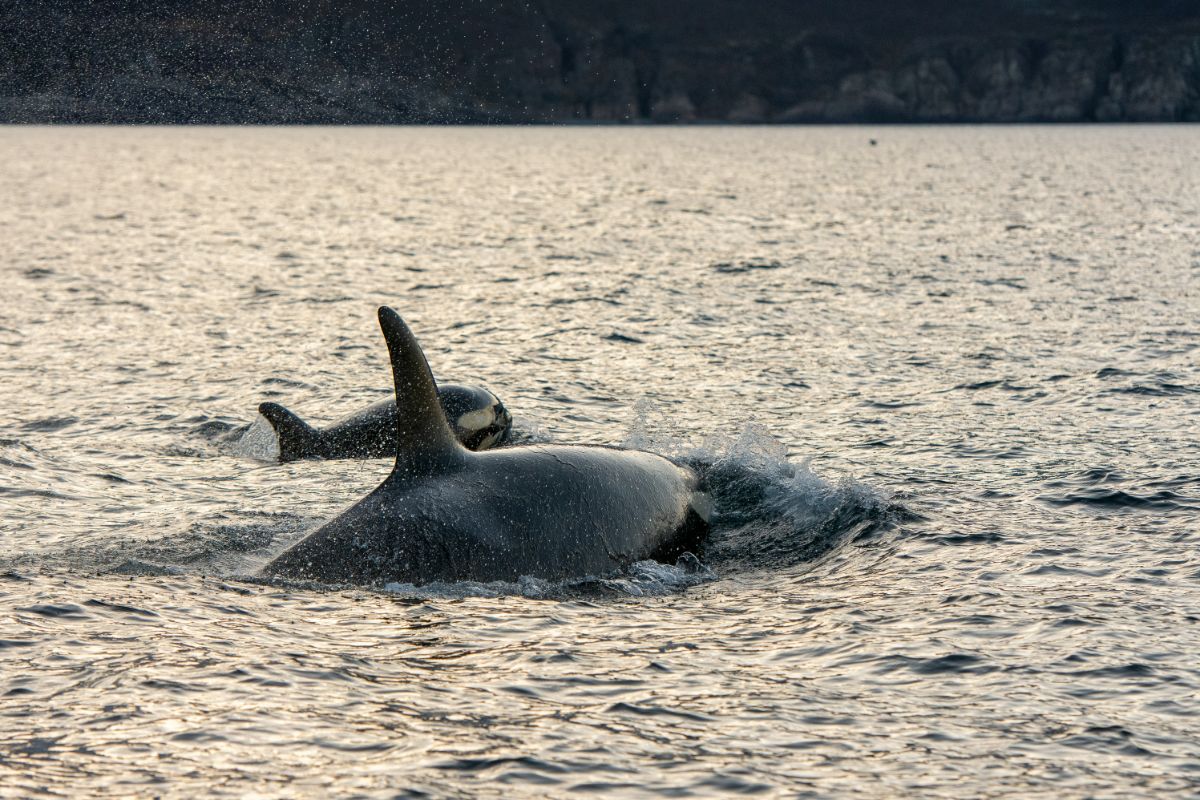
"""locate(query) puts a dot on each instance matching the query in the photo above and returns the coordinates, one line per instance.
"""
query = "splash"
(257, 441)
(769, 513)
(527, 430)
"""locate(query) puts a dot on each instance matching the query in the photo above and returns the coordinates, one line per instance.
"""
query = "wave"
(1162, 500)
(1109, 488)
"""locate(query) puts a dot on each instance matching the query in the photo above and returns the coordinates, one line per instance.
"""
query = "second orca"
(477, 417)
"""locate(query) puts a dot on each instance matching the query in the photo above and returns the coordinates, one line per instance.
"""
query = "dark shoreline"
(570, 61)
(593, 125)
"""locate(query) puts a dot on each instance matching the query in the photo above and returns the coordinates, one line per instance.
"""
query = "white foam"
(258, 441)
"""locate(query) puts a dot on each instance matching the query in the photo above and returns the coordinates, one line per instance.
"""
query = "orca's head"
(477, 417)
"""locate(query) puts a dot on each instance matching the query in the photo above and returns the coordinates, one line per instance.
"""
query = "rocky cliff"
(356, 61)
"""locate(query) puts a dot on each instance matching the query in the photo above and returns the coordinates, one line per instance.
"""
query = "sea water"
(943, 384)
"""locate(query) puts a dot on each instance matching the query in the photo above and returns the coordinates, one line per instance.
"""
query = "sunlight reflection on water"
(945, 388)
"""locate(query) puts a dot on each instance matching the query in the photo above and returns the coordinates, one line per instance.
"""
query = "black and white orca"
(446, 513)
(476, 416)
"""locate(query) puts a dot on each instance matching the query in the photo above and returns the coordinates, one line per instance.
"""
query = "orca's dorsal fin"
(425, 445)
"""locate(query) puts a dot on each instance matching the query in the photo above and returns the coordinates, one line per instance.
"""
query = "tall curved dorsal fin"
(425, 445)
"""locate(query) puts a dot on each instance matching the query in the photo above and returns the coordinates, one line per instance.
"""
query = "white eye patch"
(477, 420)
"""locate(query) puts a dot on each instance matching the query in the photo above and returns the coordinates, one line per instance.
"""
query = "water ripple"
(943, 392)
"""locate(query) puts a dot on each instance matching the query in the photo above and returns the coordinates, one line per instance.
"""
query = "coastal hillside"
(542, 61)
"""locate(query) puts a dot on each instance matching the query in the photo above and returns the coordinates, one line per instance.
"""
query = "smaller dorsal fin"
(424, 442)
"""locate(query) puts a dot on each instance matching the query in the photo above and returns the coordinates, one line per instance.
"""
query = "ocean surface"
(944, 382)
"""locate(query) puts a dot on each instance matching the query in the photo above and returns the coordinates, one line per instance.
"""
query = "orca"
(477, 417)
(446, 513)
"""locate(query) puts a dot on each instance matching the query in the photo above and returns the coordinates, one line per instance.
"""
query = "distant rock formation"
(355, 61)
(1103, 79)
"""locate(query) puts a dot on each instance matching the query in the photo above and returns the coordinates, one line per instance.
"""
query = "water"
(945, 387)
